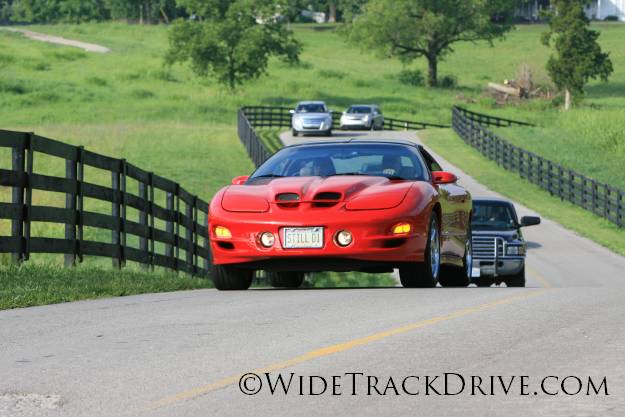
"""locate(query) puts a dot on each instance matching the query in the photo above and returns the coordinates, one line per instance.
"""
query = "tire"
(231, 278)
(329, 132)
(286, 279)
(425, 274)
(453, 276)
(517, 280)
(295, 133)
(484, 282)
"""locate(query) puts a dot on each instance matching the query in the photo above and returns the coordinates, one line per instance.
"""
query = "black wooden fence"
(276, 116)
(183, 242)
(599, 198)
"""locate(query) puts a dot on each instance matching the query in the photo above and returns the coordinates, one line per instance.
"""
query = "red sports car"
(351, 205)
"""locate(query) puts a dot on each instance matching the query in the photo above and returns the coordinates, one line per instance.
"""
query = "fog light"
(401, 228)
(267, 239)
(222, 232)
(344, 238)
(515, 250)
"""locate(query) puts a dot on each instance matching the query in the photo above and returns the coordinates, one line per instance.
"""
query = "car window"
(489, 215)
(359, 110)
(430, 161)
(311, 108)
(387, 160)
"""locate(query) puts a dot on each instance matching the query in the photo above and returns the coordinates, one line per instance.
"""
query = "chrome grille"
(487, 247)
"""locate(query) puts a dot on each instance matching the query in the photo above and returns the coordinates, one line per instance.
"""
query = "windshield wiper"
(268, 176)
(394, 177)
(347, 173)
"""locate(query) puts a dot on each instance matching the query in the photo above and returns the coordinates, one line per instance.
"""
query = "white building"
(596, 9)
(600, 9)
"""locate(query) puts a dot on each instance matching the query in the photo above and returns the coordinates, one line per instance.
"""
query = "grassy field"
(128, 104)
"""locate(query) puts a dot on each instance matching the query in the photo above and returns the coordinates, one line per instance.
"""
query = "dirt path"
(89, 47)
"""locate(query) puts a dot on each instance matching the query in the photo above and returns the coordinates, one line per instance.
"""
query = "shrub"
(413, 78)
(448, 81)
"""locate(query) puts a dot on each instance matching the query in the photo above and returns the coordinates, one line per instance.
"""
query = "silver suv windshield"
(311, 108)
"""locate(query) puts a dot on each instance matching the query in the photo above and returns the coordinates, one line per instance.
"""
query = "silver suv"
(363, 116)
(311, 117)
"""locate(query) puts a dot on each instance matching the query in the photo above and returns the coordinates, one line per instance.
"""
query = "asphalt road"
(181, 354)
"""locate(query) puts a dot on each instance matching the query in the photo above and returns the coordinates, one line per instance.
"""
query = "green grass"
(36, 284)
(448, 144)
(128, 104)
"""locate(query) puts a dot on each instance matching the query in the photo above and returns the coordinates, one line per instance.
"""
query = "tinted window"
(493, 215)
(359, 110)
(311, 108)
(387, 160)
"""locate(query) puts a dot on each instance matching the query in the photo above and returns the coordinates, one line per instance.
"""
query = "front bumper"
(372, 245)
(495, 268)
(355, 123)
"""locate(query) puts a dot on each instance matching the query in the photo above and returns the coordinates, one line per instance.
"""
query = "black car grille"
(487, 247)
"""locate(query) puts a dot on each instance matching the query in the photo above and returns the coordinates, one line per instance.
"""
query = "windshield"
(393, 161)
(359, 110)
(311, 108)
(493, 215)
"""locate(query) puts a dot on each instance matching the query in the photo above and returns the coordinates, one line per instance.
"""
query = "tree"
(231, 39)
(578, 56)
(410, 29)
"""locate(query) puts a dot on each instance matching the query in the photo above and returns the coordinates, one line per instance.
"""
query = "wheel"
(329, 132)
(425, 274)
(295, 133)
(372, 127)
(228, 278)
(286, 279)
(453, 276)
(517, 280)
(484, 282)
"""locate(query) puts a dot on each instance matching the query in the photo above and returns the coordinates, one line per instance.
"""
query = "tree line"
(232, 40)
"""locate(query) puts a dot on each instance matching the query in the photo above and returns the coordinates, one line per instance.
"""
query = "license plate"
(303, 237)
(475, 272)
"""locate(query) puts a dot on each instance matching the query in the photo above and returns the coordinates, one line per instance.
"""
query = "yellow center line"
(331, 350)
(539, 277)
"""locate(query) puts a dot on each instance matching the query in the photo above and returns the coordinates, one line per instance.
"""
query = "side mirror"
(292, 111)
(530, 221)
(240, 180)
(443, 177)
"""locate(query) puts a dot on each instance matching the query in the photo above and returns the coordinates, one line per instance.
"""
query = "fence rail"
(276, 116)
(184, 215)
(599, 198)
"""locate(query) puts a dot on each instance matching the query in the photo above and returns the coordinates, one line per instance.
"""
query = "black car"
(498, 244)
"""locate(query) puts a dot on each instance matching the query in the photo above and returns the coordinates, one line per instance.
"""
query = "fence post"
(188, 234)
(28, 198)
(17, 225)
(169, 226)
(208, 260)
(115, 212)
(70, 204)
(143, 221)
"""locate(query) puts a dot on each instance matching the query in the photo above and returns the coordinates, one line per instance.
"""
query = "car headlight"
(366, 118)
(515, 250)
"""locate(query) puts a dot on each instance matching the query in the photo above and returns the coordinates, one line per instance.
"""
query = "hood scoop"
(326, 199)
(288, 200)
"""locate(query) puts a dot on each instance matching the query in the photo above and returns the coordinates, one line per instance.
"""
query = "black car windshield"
(490, 215)
(359, 110)
(311, 108)
(393, 161)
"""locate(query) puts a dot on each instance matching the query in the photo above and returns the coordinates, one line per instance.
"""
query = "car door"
(455, 208)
